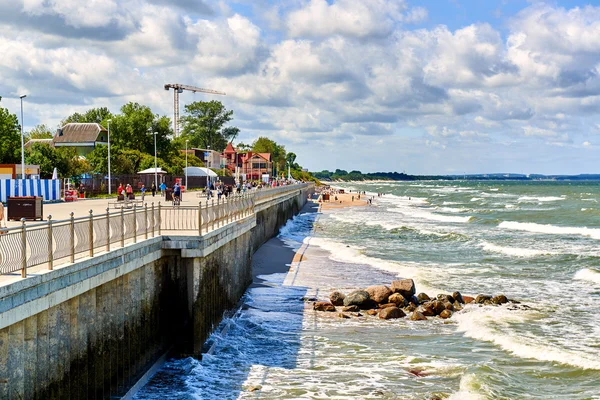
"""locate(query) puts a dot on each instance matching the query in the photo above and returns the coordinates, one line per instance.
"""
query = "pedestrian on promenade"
(153, 189)
(143, 190)
(129, 191)
(219, 193)
(120, 189)
(176, 194)
(163, 188)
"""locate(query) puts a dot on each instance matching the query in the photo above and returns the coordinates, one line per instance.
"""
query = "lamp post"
(186, 164)
(109, 181)
(22, 140)
(155, 167)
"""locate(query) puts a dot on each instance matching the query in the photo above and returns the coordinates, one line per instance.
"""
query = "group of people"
(127, 190)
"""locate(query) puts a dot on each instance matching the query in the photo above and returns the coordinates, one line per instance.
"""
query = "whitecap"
(513, 251)
(550, 229)
(587, 274)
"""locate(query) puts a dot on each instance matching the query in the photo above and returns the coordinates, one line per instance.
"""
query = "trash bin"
(169, 194)
(28, 207)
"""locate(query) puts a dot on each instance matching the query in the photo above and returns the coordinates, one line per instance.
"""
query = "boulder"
(397, 299)
(445, 298)
(413, 300)
(445, 314)
(372, 312)
(357, 298)
(481, 298)
(344, 316)
(410, 308)
(323, 306)
(438, 307)
(457, 306)
(500, 299)
(427, 309)
(379, 293)
(391, 313)
(337, 298)
(458, 297)
(422, 298)
(351, 309)
(417, 316)
(468, 299)
(406, 287)
(308, 299)
(387, 305)
(449, 306)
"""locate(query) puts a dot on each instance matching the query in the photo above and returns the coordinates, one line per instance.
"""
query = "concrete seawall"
(89, 330)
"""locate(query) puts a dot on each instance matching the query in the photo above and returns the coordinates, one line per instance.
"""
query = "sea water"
(536, 242)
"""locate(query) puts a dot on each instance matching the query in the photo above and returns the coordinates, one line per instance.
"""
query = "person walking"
(143, 190)
(153, 188)
(129, 192)
(163, 188)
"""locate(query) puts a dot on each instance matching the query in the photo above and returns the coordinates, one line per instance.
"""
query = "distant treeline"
(341, 175)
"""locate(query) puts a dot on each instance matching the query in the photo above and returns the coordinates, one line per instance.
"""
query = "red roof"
(229, 149)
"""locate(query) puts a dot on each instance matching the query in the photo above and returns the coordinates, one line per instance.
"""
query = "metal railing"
(60, 242)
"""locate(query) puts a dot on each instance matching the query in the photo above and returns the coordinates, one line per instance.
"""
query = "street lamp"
(186, 164)
(109, 181)
(155, 167)
(22, 140)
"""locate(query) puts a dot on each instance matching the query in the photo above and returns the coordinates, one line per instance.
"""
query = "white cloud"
(346, 17)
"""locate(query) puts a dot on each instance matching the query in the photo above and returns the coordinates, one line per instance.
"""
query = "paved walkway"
(82, 207)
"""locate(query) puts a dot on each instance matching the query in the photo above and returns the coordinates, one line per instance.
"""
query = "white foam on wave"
(469, 389)
(476, 199)
(513, 251)
(536, 199)
(451, 210)
(353, 255)
(587, 274)
(550, 229)
(492, 324)
(430, 216)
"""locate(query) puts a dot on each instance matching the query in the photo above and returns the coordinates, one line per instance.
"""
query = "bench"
(126, 204)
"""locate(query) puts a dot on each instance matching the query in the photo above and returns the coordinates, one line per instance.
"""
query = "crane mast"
(178, 88)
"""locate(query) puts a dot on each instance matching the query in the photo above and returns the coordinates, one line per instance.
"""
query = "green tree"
(133, 130)
(266, 145)
(204, 125)
(93, 115)
(40, 131)
(10, 138)
(64, 159)
(290, 159)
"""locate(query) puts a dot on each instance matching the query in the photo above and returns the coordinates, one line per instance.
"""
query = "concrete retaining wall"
(91, 329)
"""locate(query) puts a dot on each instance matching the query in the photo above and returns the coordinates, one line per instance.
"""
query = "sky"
(422, 87)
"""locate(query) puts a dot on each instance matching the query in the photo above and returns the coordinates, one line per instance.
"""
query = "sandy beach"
(345, 200)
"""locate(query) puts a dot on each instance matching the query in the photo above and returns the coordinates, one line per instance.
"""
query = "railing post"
(122, 227)
(91, 233)
(50, 244)
(213, 213)
(134, 223)
(72, 237)
(23, 249)
(153, 223)
(159, 219)
(146, 221)
(199, 218)
(107, 229)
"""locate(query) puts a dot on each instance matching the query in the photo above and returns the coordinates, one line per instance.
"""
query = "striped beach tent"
(47, 188)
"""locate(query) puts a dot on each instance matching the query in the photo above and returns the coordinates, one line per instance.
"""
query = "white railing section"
(59, 242)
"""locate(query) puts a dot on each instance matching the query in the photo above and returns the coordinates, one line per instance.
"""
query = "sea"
(535, 242)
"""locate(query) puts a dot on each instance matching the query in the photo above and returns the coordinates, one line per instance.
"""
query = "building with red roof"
(253, 165)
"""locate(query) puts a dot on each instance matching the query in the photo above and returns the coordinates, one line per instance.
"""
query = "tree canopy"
(10, 138)
(204, 125)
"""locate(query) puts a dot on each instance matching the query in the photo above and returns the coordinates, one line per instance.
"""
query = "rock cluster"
(399, 300)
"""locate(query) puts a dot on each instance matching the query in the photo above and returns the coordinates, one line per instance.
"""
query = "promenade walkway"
(85, 228)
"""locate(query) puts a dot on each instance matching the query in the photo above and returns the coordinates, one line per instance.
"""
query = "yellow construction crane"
(177, 88)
